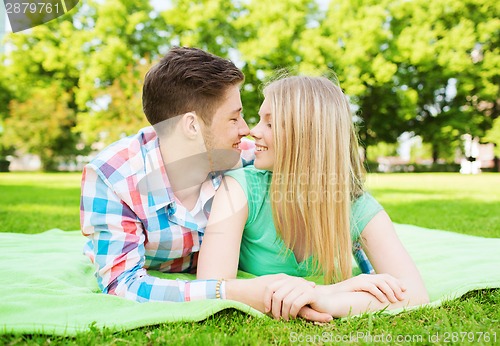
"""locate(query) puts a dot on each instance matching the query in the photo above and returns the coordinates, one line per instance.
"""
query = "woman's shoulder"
(365, 200)
(364, 208)
(249, 174)
(255, 184)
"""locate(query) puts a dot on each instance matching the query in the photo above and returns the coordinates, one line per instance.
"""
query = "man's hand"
(251, 291)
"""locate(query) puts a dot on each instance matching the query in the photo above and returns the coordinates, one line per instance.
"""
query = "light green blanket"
(48, 286)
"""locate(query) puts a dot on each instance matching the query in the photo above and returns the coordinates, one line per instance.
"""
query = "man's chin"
(224, 159)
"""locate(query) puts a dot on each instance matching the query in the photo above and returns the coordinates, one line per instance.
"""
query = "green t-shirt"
(262, 250)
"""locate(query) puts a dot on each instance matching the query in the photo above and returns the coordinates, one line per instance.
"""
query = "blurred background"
(422, 76)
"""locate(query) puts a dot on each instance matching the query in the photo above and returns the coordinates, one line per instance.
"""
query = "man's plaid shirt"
(133, 223)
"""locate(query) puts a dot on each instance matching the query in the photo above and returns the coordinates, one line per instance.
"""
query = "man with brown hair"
(146, 198)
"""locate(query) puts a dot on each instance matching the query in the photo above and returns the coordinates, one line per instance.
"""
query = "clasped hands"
(290, 297)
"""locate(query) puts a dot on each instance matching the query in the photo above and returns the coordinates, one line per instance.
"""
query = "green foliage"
(42, 125)
(60, 69)
(356, 42)
(382, 149)
(271, 41)
(447, 52)
(120, 113)
(430, 68)
(6, 148)
(118, 34)
(420, 151)
(493, 136)
(206, 24)
(6, 96)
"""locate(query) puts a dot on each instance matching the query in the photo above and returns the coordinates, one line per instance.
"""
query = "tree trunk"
(365, 153)
(435, 153)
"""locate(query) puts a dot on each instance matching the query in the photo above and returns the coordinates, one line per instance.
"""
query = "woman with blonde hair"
(302, 210)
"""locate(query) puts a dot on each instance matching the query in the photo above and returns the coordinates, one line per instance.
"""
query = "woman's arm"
(220, 249)
(389, 258)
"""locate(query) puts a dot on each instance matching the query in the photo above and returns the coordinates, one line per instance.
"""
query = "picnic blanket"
(48, 286)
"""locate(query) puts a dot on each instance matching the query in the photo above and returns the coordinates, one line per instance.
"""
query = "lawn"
(32, 203)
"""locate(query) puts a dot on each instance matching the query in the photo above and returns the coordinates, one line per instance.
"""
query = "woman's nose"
(255, 133)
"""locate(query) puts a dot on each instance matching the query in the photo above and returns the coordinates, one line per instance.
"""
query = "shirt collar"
(155, 184)
(207, 191)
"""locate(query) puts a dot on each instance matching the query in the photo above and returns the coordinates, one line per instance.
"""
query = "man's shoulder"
(126, 155)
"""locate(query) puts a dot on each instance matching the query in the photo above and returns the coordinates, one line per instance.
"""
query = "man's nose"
(244, 129)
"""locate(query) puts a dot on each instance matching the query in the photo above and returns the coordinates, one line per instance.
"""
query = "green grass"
(468, 204)
(32, 203)
(35, 202)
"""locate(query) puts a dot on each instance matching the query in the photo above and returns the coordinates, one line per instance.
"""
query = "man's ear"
(190, 125)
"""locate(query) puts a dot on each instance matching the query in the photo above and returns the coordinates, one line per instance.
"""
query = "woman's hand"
(290, 297)
(384, 287)
(257, 293)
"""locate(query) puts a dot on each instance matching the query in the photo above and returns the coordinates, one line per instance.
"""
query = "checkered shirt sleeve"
(117, 249)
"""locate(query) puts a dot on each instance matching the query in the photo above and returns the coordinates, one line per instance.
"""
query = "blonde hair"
(317, 171)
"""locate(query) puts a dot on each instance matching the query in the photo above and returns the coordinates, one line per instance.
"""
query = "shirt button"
(172, 208)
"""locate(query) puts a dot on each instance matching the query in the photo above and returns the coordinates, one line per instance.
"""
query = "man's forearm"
(242, 290)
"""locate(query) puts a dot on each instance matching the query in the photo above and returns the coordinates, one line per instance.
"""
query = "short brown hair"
(186, 80)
